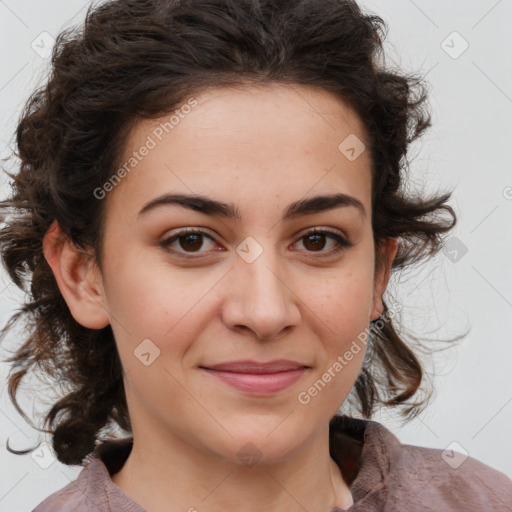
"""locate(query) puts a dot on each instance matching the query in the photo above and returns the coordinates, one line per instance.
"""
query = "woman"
(208, 209)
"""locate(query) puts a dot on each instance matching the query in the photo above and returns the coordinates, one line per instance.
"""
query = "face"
(187, 288)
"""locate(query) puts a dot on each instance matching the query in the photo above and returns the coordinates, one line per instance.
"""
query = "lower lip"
(264, 383)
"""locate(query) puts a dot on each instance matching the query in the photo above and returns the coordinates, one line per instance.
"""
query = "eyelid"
(322, 229)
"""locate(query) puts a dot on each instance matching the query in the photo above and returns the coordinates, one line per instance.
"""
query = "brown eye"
(190, 241)
(316, 241)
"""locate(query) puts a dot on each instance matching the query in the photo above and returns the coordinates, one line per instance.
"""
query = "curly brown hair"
(139, 59)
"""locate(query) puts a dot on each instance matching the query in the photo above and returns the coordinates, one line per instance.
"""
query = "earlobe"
(382, 274)
(78, 279)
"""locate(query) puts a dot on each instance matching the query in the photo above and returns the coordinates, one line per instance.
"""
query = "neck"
(168, 474)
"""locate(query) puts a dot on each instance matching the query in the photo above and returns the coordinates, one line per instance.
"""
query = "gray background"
(468, 149)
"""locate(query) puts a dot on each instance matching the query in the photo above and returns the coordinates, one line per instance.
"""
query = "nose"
(259, 297)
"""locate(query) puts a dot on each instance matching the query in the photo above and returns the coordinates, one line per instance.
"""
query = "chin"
(261, 444)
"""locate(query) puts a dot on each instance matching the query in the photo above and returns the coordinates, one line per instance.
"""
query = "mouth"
(258, 377)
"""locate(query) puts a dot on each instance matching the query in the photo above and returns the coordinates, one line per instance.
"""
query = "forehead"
(248, 145)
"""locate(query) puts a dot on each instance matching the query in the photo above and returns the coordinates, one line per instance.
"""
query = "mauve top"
(384, 475)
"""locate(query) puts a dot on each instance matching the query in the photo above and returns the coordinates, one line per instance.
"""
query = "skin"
(260, 148)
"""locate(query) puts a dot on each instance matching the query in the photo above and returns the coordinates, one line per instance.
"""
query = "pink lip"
(262, 378)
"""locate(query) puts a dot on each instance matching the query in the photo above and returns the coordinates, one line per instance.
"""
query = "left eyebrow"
(209, 206)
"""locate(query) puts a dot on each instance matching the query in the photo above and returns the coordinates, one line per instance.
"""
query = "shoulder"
(385, 474)
(94, 488)
(453, 479)
(72, 497)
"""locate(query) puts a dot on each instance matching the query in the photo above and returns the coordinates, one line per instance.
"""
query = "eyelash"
(341, 243)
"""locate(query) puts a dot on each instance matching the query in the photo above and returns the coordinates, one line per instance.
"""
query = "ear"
(388, 251)
(78, 278)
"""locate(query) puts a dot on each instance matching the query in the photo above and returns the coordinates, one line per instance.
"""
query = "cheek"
(340, 316)
(157, 303)
(343, 301)
(339, 309)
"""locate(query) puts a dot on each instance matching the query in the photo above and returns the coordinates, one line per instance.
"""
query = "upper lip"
(278, 365)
